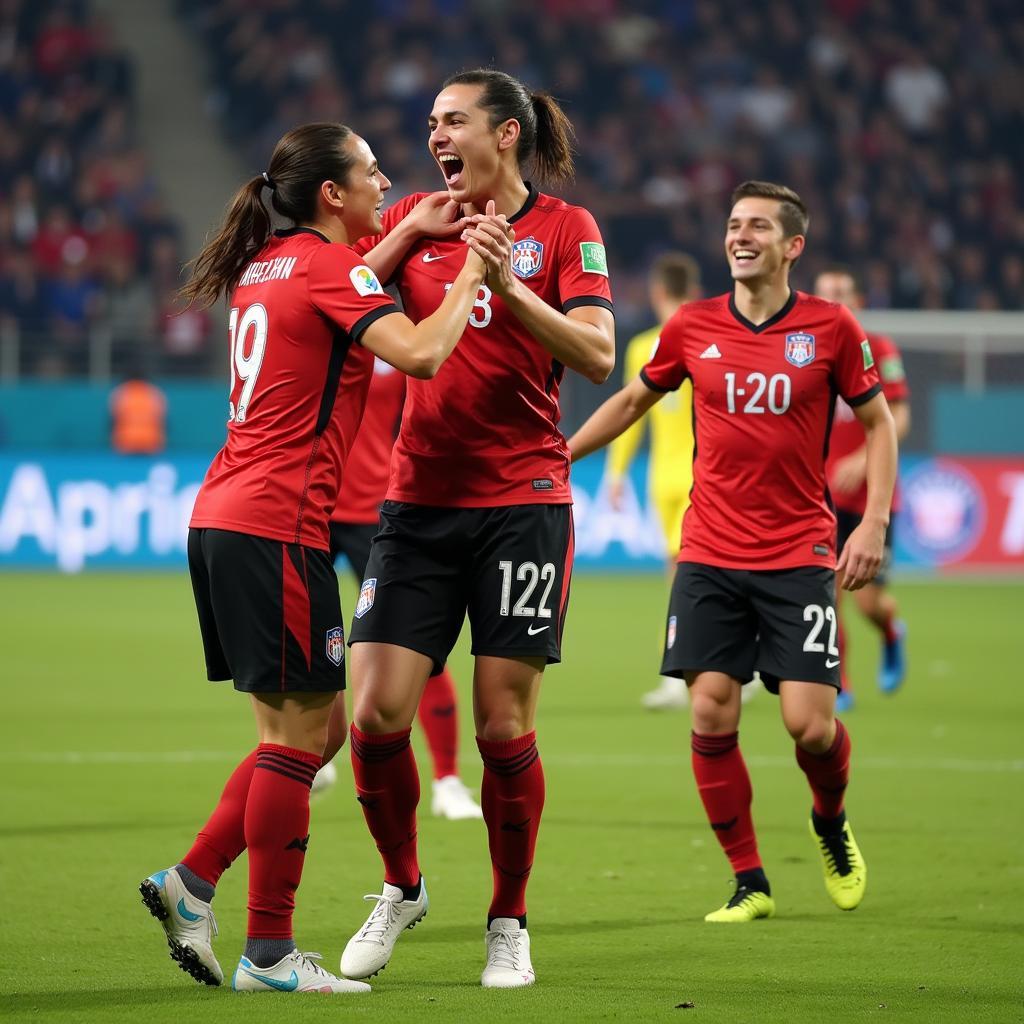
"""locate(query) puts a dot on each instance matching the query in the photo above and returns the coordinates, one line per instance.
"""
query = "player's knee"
(812, 733)
(506, 724)
(378, 718)
(713, 712)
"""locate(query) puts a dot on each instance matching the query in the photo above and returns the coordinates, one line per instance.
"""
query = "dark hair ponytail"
(546, 135)
(302, 161)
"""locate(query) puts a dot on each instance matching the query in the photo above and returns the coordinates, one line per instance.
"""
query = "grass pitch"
(114, 750)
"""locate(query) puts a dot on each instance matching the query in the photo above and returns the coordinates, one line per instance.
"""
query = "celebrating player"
(478, 513)
(304, 307)
(755, 585)
(846, 469)
(353, 525)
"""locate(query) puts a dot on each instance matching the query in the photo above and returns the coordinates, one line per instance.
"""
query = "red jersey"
(847, 432)
(298, 386)
(484, 432)
(763, 397)
(369, 461)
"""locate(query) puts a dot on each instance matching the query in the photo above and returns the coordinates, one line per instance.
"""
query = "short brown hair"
(677, 272)
(792, 211)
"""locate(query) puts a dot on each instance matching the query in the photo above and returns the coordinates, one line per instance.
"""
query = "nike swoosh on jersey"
(531, 631)
(430, 258)
(831, 664)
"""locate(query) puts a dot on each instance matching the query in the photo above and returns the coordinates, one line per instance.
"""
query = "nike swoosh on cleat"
(533, 631)
(430, 258)
(282, 986)
(187, 914)
(831, 664)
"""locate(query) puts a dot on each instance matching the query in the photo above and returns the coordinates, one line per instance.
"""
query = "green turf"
(103, 691)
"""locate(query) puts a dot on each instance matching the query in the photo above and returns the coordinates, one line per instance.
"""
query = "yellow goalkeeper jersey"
(671, 456)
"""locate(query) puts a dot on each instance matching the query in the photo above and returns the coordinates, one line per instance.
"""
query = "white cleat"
(750, 690)
(324, 779)
(296, 972)
(508, 955)
(669, 696)
(452, 800)
(369, 950)
(188, 924)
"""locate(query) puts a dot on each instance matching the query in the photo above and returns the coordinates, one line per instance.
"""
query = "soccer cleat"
(324, 779)
(296, 972)
(844, 701)
(508, 955)
(452, 800)
(846, 874)
(669, 696)
(369, 950)
(893, 669)
(188, 924)
(744, 905)
(750, 690)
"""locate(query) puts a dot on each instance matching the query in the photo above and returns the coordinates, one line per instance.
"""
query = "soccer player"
(307, 311)
(755, 584)
(846, 470)
(353, 525)
(478, 515)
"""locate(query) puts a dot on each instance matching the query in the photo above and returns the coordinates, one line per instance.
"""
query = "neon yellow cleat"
(745, 905)
(846, 874)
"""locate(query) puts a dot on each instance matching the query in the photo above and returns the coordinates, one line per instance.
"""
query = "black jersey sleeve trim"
(364, 321)
(588, 300)
(654, 387)
(865, 397)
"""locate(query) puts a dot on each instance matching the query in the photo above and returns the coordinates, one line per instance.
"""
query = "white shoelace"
(382, 918)
(504, 950)
(310, 961)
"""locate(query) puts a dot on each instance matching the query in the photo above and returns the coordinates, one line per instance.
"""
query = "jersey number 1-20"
(247, 367)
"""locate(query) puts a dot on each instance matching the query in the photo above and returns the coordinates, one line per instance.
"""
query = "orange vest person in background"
(138, 415)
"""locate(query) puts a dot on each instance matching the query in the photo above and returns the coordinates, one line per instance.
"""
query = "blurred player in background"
(674, 279)
(478, 514)
(755, 586)
(307, 311)
(846, 468)
(353, 525)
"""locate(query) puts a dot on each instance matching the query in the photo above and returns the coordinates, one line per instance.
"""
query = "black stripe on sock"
(308, 783)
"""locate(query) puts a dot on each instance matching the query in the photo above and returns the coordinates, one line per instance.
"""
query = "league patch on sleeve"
(364, 280)
(593, 258)
(869, 359)
(891, 369)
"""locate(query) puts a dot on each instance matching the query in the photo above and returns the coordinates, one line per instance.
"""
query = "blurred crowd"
(901, 124)
(86, 244)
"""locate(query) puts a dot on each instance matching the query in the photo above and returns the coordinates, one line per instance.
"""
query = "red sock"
(388, 787)
(888, 628)
(439, 717)
(222, 838)
(512, 798)
(276, 833)
(724, 787)
(828, 773)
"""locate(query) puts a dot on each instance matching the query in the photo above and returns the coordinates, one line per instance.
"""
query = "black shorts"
(508, 567)
(846, 523)
(353, 540)
(781, 622)
(269, 612)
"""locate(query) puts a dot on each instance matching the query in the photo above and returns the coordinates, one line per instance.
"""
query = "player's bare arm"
(861, 559)
(434, 216)
(851, 471)
(582, 339)
(613, 418)
(420, 349)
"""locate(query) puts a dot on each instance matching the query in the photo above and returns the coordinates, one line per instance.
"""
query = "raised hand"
(490, 236)
(437, 216)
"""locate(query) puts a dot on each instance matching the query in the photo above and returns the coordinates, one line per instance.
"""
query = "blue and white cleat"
(893, 669)
(188, 924)
(844, 701)
(297, 972)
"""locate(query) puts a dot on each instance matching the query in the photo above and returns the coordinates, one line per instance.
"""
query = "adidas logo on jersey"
(711, 352)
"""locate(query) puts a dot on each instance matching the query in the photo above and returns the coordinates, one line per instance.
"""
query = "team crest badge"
(527, 257)
(800, 349)
(367, 592)
(336, 644)
(671, 639)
